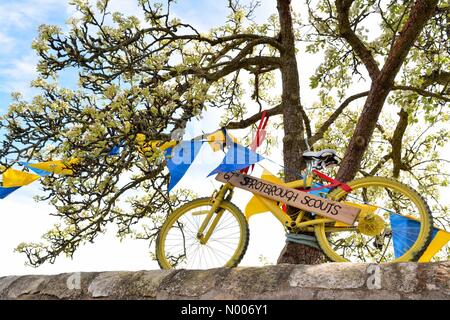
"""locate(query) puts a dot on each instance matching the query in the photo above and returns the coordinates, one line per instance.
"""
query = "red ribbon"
(334, 183)
(260, 136)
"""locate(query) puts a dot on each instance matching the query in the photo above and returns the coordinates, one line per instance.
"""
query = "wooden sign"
(293, 197)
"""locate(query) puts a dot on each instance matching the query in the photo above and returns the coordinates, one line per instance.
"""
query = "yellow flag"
(150, 146)
(255, 206)
(217, 139)
(440, 240)
(15, 178)
(162, 145)
(56, 166)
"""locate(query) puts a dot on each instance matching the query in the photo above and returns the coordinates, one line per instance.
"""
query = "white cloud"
(20, 68)
(7, 43)
(22, 14)
(19, 73)
(19, 21)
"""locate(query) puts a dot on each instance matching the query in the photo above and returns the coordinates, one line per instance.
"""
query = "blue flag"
(114, 151)
(180, 158)
(4, 192)
(404, 233)
(320, 192)
(237, 158)
(40, 172)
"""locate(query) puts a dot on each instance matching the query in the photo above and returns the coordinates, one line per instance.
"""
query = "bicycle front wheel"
(179, 247)
(374, 238)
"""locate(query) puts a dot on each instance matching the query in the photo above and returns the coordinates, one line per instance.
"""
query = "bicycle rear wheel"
(397, 228)
(178, 246)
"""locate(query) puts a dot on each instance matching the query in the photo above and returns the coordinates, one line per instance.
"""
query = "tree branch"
(419, 15)
(380, 164)
(346, 32)
(237, 64)
(326, 125)
(422, 92)
(253, 119)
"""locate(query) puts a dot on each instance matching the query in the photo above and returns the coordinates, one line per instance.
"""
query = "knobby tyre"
(177, 245)
(391, 198)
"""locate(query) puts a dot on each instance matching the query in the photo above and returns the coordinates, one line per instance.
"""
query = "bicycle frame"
(300, 222)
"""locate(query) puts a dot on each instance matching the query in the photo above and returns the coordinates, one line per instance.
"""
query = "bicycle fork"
(216, 199)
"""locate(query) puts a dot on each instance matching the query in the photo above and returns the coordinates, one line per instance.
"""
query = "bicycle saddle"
(323, 158)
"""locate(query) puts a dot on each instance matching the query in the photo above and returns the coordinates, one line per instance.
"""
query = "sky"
(24, 220)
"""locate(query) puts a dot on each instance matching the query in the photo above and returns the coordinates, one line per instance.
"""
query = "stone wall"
(326, 281)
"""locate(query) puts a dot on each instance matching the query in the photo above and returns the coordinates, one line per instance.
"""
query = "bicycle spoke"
(380, 248)
(183, 248)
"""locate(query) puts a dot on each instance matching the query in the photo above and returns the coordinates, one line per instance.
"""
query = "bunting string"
(179, 156)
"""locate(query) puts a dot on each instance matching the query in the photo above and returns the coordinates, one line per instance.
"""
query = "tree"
(150, 77)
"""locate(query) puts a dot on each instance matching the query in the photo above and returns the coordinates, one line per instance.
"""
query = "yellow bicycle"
(212, 232)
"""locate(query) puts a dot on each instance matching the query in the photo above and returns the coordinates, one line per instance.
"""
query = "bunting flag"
(39, 172)
(405, 232)
(180, 158)
(56, 166)
(218, 139)
(255, 206)
(115, 151)
(15, 178)
(151, 145)
(161, 145)
(237, 158)
(318, 190)
(441, 238)
(4, 192)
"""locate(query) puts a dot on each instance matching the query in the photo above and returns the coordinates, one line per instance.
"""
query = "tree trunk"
(293, 141)
(295, 253)
(363, 131)
(381, 86)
